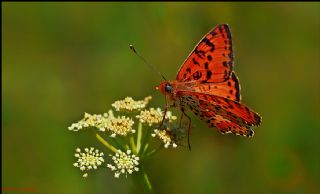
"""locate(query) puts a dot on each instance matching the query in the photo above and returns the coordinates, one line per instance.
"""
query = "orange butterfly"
(207, 85)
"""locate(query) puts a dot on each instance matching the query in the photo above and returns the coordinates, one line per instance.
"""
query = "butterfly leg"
(181, 118)
(189, 127)
(164, 116)
(166, 110)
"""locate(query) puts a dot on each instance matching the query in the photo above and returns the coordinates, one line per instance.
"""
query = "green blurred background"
(60, 60)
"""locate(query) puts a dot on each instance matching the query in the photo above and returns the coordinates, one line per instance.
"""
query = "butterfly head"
(165, 87)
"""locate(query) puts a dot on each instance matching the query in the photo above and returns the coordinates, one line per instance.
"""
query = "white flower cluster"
(165, 137)
(120, 126)
(116, 125)
(128, 104)
(124, 163)
(95, 120)
(89, 159)
(154, 116)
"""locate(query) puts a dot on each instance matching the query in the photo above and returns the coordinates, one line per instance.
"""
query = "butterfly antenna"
(142, 58)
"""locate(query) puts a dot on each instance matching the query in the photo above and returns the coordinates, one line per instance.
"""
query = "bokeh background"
(60, 60)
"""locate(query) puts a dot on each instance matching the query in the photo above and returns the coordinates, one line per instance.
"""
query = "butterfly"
(207, 85)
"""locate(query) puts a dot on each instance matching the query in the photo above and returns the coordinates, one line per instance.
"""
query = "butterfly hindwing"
(224, 114)
(212, 59)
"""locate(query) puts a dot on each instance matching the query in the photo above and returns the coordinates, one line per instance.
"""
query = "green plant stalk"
(116, 143)
(145, 149)
(144, 143)
(105, 143)
(144, 180)
(139, 136)
(133, 146)
(153, 152)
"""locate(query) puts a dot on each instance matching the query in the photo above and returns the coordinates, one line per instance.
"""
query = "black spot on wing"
(197, 75)
(250, 133)
(226, 74)
(206, 65)
(230, 56)
(188, 70)
(184, 75)
(210, 44)
(221, 28)
(199, 53)
(213, 33)
(224, 63)
(209, 74)
(227, 101)
(235, 79)
(226, 27)
(257, 119)
(195, 62)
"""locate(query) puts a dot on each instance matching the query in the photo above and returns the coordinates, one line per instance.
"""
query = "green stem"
(151, 153)
(115, 142)
(144, 180)
(104, 142)
(145, 149)
(133, 146)
(145, 140)
(139, 136)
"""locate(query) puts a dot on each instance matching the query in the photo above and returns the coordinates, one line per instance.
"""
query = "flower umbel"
(128, 104)
(95, 120)
(115, 133)
(154, 116)
(151, 116)
(89, 159)
(120, 126)
(165, 136)
(124, 163)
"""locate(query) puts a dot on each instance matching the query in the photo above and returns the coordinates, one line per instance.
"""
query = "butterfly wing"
(226, 115)
(229, 89)
(211, 60)
(207, 85)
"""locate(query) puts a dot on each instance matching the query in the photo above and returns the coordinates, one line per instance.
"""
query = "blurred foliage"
(60, 60)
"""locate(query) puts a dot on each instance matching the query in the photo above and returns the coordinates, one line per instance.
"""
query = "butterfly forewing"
(212, 59)
(229, 89)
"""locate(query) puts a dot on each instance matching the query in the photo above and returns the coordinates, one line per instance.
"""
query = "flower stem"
(139, 136)
(145, 140)
(104, 142)
(144, 180)
(133, 146)
(151, 153)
